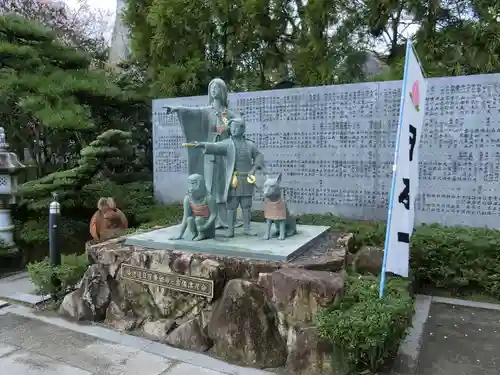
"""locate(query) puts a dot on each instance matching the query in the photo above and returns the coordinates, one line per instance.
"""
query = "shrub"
(135, 199)
(33, 236)
(365, 330)
(161, 215)
(459, 259)
(69, 273)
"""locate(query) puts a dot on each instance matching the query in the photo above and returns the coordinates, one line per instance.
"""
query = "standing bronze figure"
(208, 124)
(242, 160)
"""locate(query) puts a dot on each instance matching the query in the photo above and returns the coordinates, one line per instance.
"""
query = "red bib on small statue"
(200, 209)
(275, 210)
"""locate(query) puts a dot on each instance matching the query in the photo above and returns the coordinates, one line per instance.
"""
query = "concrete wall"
(335, 146)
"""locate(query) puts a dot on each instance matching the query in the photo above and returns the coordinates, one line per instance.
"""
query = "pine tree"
(110, 153)
(55, 103)
(50, 99)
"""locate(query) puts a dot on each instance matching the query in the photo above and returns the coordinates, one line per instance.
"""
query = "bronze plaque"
(163, 280)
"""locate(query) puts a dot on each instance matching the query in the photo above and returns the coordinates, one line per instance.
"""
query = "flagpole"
(394, 174)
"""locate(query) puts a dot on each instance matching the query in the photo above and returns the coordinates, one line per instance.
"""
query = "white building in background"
(120, 48)
(373, 64)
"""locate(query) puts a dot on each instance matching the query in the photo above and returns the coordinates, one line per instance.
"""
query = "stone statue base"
(252, 247)
(245, 310)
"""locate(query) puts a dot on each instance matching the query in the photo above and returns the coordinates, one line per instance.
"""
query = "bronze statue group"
(222, 164)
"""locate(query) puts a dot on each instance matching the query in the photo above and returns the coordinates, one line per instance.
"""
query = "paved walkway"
(460, 340)
(34, 343)
(18, 287)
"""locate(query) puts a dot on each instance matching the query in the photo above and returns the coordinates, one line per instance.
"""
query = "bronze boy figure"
(242, 160)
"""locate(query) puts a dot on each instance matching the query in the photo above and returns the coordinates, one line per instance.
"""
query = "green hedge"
(458, 259)
(366, 331)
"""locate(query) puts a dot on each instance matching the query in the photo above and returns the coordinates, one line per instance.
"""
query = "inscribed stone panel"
(335, 147)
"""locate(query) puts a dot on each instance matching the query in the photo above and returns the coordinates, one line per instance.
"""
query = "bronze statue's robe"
(203, 125)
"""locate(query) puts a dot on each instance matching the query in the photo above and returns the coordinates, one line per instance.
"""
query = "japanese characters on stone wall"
(335, 145)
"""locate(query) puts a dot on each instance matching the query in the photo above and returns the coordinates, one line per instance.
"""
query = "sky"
(108, 5)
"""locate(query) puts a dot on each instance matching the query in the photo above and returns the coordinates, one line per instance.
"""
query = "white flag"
(404, 191)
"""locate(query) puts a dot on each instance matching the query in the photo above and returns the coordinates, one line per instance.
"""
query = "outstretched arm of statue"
(178, 109)
(212, 206)
(213, 148)
(170, 109)
(187, 214)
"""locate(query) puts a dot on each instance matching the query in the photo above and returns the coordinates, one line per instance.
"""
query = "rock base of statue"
(252, 247)
(244, 310)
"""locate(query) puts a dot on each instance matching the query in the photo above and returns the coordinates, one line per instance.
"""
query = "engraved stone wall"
(335, 148)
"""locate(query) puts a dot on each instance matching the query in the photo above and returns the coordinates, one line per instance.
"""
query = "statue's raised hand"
(170, 109)
(199, 144)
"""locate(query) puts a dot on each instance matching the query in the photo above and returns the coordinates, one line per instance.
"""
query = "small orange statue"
(108, 221)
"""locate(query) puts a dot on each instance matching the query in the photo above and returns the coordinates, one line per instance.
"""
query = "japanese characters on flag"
(401, 215)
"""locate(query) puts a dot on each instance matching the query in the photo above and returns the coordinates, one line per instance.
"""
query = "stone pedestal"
(250, 307)
(252, 247)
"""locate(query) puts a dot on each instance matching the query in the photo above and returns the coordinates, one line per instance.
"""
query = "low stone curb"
(7, 275)
(31, 300)
(406, 361)
(466, 303)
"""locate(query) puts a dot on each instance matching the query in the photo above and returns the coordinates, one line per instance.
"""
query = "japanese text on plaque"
(181, 283)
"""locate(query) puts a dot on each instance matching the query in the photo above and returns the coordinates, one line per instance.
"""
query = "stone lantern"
(9, 168)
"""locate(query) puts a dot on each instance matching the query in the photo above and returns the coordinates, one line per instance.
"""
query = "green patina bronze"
(200, 211)
(208, 124)
(242, 160)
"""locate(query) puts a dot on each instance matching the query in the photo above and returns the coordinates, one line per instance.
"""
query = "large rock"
(345, 240)
(190, 336)
(91, 299)
(151, 302)
(299, 294)
(132, 302)
(329, 255)
(158, 329)
(243, 327)
(308, 354)
(368, 260)
(120, 319)
(332, 260)
(110, 254)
